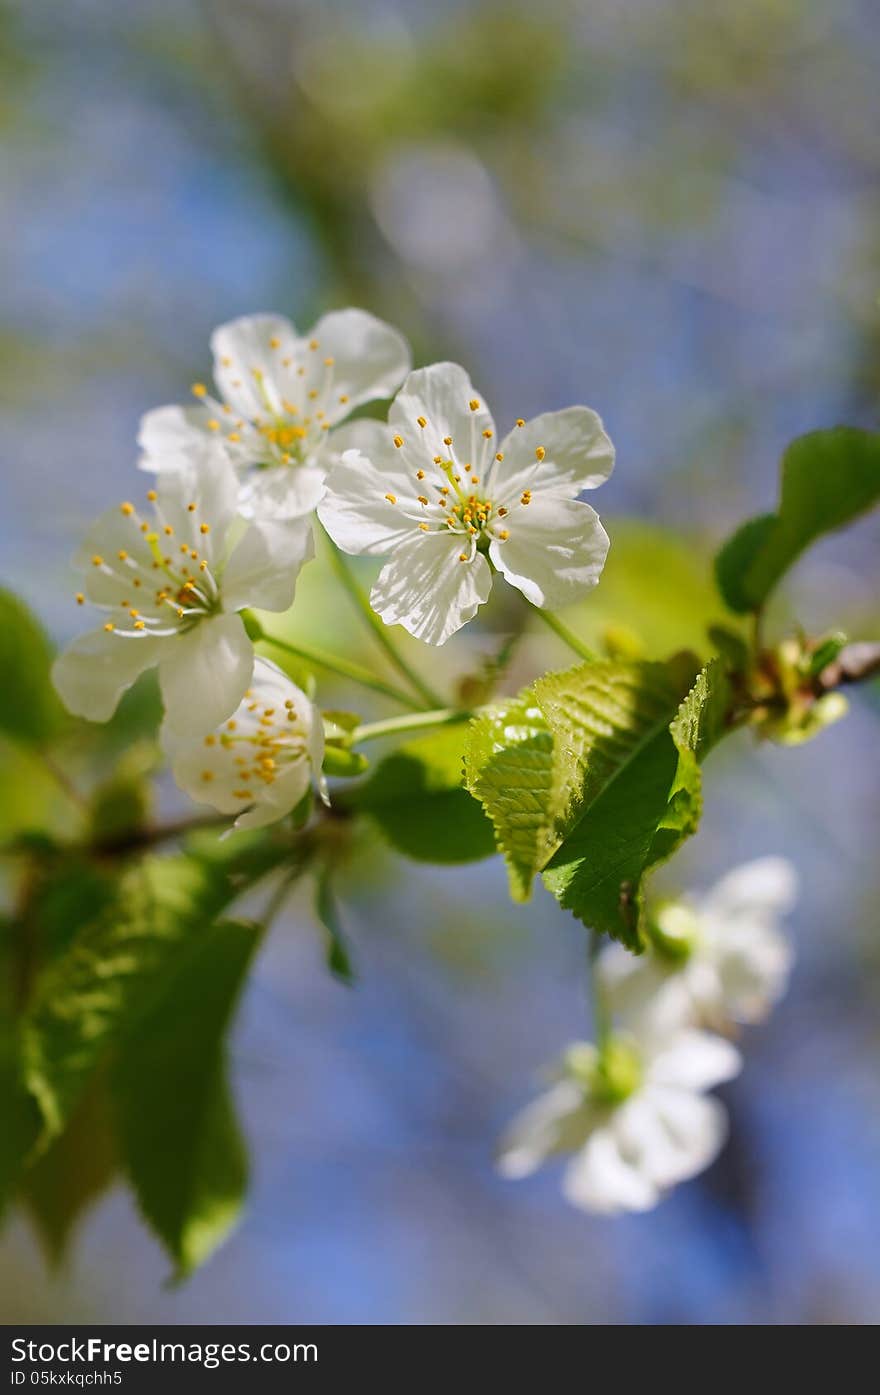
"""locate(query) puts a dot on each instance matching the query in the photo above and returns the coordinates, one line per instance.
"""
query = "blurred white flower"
(279, 398)
(260, 762)
(717, 959)
(635, 1115)
(436, 490)
(169, 584)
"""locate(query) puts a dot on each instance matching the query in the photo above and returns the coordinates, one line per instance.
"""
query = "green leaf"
(73, 1172)
(508, 766)
(327, 911)
(417, 799)
(640, 797)
(29, 709)
(538, 761)
(700, 723)
(88, 994)
(829, 478)
(18, 1110)
(180, 1142)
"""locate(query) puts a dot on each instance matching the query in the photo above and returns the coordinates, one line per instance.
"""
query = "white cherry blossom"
(169, 581)
(260, 762)
(635, 1116)
(718, 959)
(279, 397)
(448, 502)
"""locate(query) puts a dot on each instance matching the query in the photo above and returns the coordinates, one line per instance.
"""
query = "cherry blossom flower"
(261, 761)
(635, 1116)
(717, 959)
(448, 502)
(169, 582)
(278, 400)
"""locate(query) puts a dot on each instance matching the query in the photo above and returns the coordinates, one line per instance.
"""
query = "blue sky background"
(690, 245)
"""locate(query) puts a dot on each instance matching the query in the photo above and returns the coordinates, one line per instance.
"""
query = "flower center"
(261, 741)
(610, 1075)
(674, 930)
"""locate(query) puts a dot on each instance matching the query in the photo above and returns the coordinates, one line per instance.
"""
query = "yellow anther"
(168, 531)
(127, 509)
(447, 440)
(233, 437)
(199, 389)
(502, 513)
(462, 557)
(520, 421)
(133, 613)
(474, 404)
(274, 342)
(329, 362)
(152, 495)
(499, 455)
(204, 527)
(145, 527)
(179, 613)
(475, 479)
(540, 452)
(313, 344)
(343, 397)
(488, 434)
(203, 566)
(313, 393)
(213, 424)
(207, 775)
(422, 421)
(190, 508)
(139, 625)
(109, 626)
(80, 598)
(211, 740)
(226, 361)
(268, 711)
(258, 374)
(392, 498)
(242, 794)
(231, 725)
(526, 497)
(398, 441)
(504, 535)
(122, 554)
(97, 561)
(425, 527)
(136, 581)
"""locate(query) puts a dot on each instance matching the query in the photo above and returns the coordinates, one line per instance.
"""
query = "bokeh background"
(667, 209)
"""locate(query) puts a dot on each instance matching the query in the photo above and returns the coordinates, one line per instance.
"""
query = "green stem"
(440, 717)
(601, 1015)
(565, 634)
(335, 664)
(378, 627)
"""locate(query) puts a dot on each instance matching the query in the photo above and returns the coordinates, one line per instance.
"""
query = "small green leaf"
(327, 911)
(29, 709)
(180, 1141)
(72, 1173)
(829, 478)
(508, 764)
(87, 995)
(640, 798)
(416, 797)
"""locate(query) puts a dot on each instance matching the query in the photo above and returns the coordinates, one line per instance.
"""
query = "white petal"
(356, 510)
(91, 675)
(555, 552)
(248, 354)
(278, 801)
(263, 567)
(441, 394)
(577, 454)
(600, 1179)
(170, 435)
(210, 485)
(556, 1120)
(425, 587)
(281, 492)
(679, 1134)
(768, 884)
(370, 359)
(752, 965)
(694, 1060)
(647, 996)
(203, 674)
